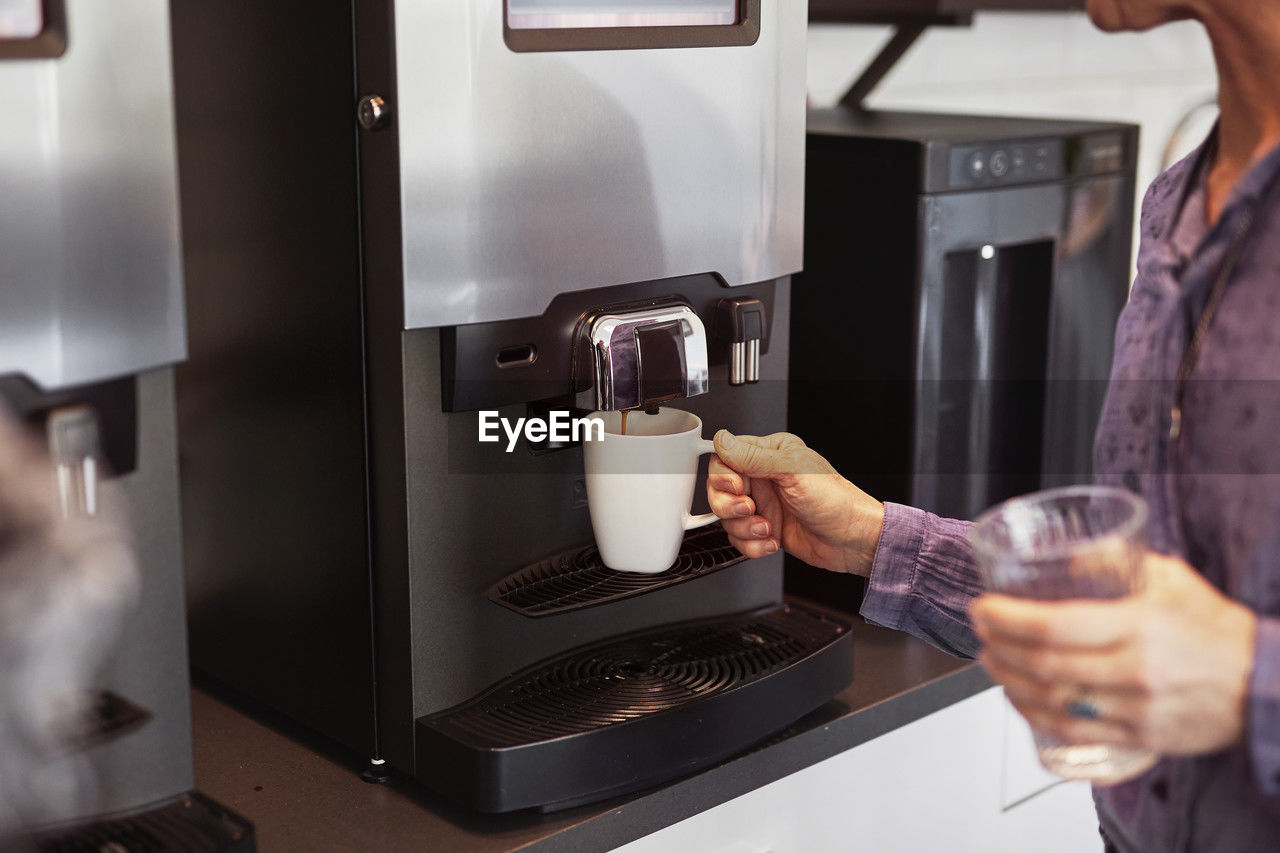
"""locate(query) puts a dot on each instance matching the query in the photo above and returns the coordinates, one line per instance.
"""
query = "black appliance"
(952, 329)
(436, 209)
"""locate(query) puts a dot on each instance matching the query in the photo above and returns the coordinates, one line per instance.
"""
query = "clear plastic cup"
(1083, 542)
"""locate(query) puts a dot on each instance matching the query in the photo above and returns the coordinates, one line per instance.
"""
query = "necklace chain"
(1192, 352)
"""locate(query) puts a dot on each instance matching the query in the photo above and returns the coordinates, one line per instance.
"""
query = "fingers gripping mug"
(640, 487)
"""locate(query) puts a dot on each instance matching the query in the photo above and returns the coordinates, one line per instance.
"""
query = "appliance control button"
(999, 165)
(1019, 159)
(977, 165)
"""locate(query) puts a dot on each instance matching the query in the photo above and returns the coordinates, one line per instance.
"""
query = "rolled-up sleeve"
(1264, 710)
(923, 578)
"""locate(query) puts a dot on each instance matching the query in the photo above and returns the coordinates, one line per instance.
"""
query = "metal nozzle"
(74, 449)
(642, 356)
(741, 321)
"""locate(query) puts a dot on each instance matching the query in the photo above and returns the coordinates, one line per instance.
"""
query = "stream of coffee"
(625, 412)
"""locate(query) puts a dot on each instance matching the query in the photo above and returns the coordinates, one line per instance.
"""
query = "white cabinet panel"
(935, 784)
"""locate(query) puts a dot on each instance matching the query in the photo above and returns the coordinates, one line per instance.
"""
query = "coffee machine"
(976, 267)
(91, 322)
(438, 210)
(965, 273)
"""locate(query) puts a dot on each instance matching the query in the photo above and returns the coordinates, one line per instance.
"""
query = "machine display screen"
(21, 19)
(575, 14)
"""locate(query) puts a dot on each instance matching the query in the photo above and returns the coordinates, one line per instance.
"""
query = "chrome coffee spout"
(640, 356)
(74, 448)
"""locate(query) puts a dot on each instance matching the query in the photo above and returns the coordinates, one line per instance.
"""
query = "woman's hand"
(774, 492)
(1166, 669)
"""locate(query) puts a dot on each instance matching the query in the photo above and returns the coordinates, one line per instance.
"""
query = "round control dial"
(977, 165)
(999, 164)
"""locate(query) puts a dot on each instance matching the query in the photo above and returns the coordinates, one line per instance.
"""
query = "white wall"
(1054, 65)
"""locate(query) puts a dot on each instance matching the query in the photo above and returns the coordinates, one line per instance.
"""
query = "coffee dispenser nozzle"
(640, 356)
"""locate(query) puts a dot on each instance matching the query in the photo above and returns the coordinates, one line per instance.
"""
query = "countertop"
(303, 793)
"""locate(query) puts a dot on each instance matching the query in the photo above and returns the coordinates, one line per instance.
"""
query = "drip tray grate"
(577, 579)
(192, 823)
(633, 711)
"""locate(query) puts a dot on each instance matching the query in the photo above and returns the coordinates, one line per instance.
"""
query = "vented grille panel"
(192, 824)
(577, 579)
(639, 677)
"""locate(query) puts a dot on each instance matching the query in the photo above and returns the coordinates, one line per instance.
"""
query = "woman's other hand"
(1166, 669)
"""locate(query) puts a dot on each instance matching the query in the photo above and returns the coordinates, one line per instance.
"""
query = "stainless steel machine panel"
(90, 276)
(526, 175)
(149, 666)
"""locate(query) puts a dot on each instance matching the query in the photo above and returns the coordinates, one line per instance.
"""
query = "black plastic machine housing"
(114, 402)
(963, 276)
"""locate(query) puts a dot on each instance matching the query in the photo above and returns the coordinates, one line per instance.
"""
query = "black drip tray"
(629, 713)
(190, 824)
(577, 579)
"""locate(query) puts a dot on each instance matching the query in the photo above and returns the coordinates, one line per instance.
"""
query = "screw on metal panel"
(373, 112)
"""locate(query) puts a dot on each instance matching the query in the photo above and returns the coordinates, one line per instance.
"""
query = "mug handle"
(692, 522)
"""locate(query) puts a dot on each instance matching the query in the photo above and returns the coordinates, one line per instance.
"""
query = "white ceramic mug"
(640, 487)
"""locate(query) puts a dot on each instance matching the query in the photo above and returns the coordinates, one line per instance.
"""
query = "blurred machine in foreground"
(954, 323)
(91, 320)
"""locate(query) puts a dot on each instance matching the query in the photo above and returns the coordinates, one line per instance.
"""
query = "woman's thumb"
(746, 456)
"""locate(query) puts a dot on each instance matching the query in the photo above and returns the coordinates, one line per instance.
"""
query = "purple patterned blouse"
(1214, 493)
